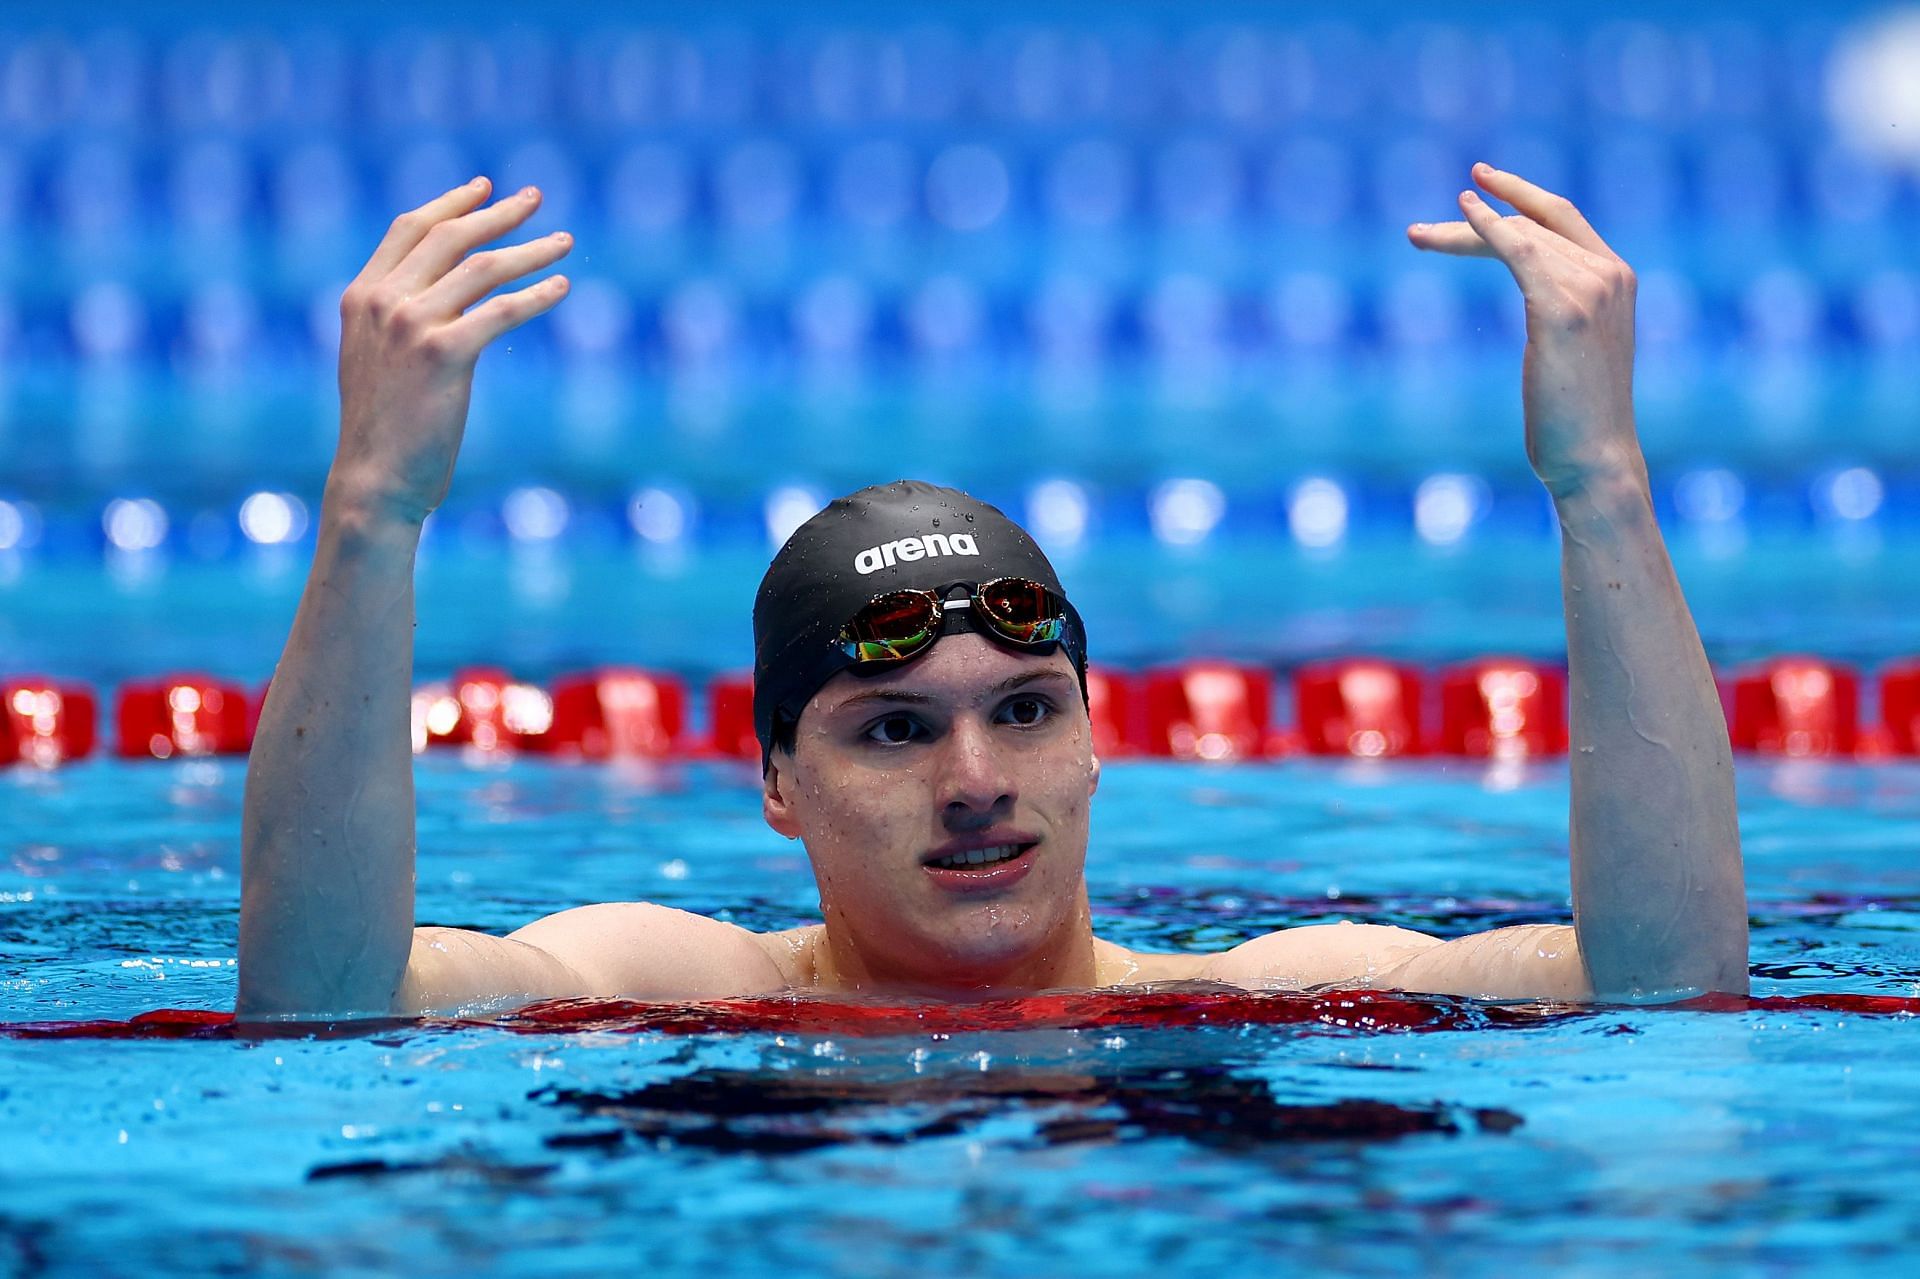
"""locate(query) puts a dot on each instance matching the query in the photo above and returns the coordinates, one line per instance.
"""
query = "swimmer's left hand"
(1577, 379)
(1659, 897)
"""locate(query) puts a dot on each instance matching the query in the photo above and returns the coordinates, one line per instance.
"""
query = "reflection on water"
(1210, 1106)
(731, 1111)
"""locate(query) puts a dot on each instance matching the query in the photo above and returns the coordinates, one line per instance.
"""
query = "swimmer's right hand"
(410, 334)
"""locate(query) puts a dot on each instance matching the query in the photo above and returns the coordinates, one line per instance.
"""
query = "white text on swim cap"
(908, 549)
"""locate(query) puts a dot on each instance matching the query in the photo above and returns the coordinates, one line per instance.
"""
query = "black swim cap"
(906, 535)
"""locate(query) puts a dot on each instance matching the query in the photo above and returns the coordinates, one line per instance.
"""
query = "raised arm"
(1658, 895)
(326, 918)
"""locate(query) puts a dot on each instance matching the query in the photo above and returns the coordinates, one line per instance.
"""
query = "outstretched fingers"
(1554, 212)
(471, 332)
(1506, 238)
(412, 226)
(1456, 238)
(445, 244)
(1532, 252)
(482, 273)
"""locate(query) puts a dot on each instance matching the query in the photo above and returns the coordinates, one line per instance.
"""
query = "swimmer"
(919, 701)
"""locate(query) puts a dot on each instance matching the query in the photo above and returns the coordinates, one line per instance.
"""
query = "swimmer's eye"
(895, 730)
(1027, 712)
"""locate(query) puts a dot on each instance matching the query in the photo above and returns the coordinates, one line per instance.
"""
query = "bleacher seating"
(931, 228)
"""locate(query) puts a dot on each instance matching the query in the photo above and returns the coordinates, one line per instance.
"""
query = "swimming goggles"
(898, 625)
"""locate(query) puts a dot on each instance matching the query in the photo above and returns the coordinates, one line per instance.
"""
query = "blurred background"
(1138, 274)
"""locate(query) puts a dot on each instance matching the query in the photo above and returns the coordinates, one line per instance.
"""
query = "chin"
(990, 944)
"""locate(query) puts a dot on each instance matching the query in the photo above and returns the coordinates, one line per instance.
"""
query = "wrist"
(364, 511)
(1611, 494)
(1611, 471)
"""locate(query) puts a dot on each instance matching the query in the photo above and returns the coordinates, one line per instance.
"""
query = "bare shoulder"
(1318, 955)
(795, 952)
(640, 950)
(1116, 965)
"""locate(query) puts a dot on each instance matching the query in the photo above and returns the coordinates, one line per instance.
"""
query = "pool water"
(738, 335)
(544, 608)
(1582, 1140)
(1452, 1139)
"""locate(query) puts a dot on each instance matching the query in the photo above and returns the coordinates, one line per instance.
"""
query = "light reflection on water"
(108, 859)
(1699, 1141)
(573, 604)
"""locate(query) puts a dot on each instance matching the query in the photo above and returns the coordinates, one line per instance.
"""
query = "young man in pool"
(919, 702)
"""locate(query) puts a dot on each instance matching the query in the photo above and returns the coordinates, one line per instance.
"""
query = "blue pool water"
(1673, 1141)
(544, 608)
(1149, 261)
(1584, 1141)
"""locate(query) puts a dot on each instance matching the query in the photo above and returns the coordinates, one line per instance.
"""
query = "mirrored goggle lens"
(1021, 610)
(892, 627)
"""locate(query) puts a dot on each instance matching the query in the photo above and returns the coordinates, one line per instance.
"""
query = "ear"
(1093, 777)
(775, 804)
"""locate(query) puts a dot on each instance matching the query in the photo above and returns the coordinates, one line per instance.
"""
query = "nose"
(977, 784)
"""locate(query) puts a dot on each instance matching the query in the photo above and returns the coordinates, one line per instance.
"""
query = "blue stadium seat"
(1070, 195)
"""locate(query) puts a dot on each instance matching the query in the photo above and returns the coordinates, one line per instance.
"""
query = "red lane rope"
(1091, 1010)
(1491, 707)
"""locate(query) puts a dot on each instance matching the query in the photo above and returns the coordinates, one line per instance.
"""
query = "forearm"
(1658, 894)
(327, 856)
(326, 902)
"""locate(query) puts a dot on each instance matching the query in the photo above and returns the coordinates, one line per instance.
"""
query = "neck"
(1067, 960)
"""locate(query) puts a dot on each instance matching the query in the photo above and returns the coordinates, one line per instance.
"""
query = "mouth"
(990, 866)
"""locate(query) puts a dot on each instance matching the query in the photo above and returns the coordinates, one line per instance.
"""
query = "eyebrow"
(912, 698)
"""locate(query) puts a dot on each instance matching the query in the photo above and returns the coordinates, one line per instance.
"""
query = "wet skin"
(970, 744)
(973, 745)
(976, 744)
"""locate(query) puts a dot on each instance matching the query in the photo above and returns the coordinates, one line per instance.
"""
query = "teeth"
(978, 857)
